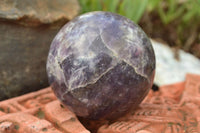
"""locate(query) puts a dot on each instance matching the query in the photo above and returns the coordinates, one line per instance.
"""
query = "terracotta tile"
(63, 118)
(23, 122)
(173, 91)
(37, 112)
(2, 113)
(40, 125)
(158, 98)
(153, 119)
(173, 109)
(6, 127)
(192, 86)
(168, 94)
(191, 96)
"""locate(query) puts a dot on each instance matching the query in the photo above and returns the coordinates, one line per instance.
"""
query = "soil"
(188, 39)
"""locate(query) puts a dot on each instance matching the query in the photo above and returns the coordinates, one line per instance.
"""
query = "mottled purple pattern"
(101, 65)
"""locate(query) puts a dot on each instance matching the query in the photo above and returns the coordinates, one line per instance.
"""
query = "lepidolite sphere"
(101, 65)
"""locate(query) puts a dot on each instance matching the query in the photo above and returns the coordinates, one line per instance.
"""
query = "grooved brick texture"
(37, 112)
(173, 109)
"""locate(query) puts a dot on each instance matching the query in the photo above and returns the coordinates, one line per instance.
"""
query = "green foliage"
(168, 10)
(133, 9)
(173, 9)
(192, 11)
(90, 5)
(152, 5)
(184, 15)
(110, 5)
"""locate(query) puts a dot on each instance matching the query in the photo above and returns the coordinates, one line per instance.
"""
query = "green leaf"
(152, 5)
(85, 5)
(112, 6)
(133, 9)
(142, 6)
(96, 5)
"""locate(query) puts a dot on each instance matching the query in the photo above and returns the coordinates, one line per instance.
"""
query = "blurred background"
(28, 27)
(173, 22)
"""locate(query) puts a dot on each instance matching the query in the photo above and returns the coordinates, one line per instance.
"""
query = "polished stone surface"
(101, 65)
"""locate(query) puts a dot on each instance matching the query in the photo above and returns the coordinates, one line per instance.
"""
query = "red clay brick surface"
(173, 109)
(37, 112)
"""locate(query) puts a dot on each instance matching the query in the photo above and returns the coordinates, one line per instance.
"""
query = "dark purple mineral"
(101, 65)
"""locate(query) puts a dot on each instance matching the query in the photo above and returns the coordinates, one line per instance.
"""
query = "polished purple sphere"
(101, 65)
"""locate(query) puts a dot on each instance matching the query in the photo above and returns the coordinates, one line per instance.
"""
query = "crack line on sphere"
(115, 54)
(92, 82)
(96, 79)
